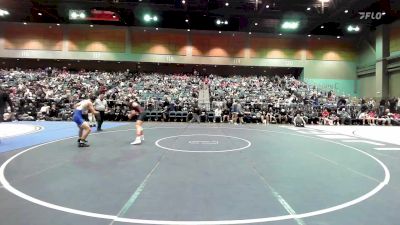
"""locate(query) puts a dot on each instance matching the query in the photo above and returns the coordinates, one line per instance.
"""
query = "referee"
(100, 105)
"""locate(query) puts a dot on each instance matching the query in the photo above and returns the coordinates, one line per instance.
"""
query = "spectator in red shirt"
(371, 117)
(325, 117)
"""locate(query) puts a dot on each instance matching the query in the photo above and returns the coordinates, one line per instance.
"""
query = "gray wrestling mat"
(201, 174)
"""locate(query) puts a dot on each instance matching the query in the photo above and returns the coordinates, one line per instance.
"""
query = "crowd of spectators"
(50, 94)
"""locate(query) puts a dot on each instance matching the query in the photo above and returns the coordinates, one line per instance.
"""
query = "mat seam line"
(278, 197)
(141, 187)
(345, 167)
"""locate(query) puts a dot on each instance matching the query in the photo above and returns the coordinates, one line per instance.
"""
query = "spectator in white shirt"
(217, 114)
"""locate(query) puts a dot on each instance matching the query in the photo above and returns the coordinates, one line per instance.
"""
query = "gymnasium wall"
(367, 59)
(394, 61)
(32, 38)
(96, 40)
(366, 86)
(339, 76)
(160, 43)
(328, 63)
(366, 51)
(366, 66)
(394, 36)
(394, 84)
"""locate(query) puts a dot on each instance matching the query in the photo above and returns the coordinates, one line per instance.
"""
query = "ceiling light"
(249, 32)
(322, 27)
(150, 18)
(187, 21)
(219, 32)
(156, 28)
(338, 37)
(183, 1)
(221, 22)
(4, 12)
(58, 24)
(188, 30)
(25, 23)
(147, 17)
(309, 35)
(383, 13)
(309, 8)
(352, 28)
(74, 15)
(346, 11)
(226, 3)
(290, 25)
(40, 14)
(267, 6)
(255, 24)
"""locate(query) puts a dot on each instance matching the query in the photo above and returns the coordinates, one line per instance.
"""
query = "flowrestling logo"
(371, 15)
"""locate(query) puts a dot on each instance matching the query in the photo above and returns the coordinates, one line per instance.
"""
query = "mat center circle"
(204, 143)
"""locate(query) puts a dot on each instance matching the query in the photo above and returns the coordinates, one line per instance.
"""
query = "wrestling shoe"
(137, 141)
(82, 145)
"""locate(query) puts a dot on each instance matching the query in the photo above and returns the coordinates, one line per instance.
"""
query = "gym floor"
(203, 174)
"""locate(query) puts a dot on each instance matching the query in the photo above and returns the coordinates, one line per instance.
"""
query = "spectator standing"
(392, 105)
(236, 108)
(382, 104)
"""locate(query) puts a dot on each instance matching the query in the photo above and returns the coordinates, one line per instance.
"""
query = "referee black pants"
(100, 120)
